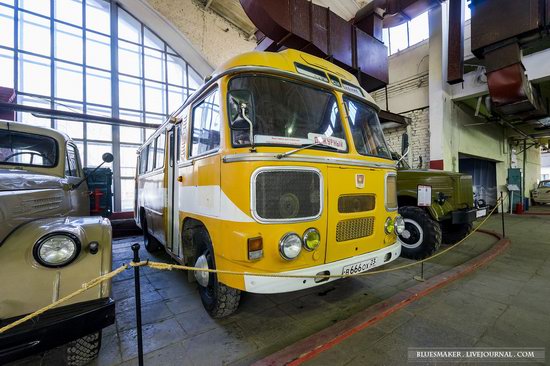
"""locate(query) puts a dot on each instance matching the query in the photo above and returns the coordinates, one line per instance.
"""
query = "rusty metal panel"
(497, 21)
(300, 13)
(371, 56)
(271, 17)
(340, 39)
(455, 59)
(502, 57)
(372, 25)
(319, 28)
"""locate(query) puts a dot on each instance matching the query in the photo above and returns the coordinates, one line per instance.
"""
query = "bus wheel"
(218, 299)
(422, 235)
(151, 244)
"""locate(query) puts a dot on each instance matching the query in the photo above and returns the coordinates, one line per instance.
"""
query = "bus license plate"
(359, 267)
(481, 212)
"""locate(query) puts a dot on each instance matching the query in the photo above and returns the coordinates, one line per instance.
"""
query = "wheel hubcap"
(202, 277)
(413, 235)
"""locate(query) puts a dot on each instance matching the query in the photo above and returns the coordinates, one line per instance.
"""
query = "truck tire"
(422, 235)
(83, 350)
(452, 234)
(218, 299)
(151, 243)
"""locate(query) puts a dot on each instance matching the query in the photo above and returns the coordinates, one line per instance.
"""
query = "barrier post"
(135, 249)
(421, 277)
(502, 213)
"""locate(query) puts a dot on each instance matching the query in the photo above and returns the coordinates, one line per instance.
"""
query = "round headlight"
(399, 225)
(290, 246)
(311, 239)
(56, 250)
(389, 226)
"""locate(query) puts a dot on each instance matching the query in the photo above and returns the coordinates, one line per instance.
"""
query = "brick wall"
(216, 39)
(419, 138)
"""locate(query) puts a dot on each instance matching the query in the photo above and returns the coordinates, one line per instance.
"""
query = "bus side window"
(150, 156)
(160, 141)
(206, 125)
(143, 160)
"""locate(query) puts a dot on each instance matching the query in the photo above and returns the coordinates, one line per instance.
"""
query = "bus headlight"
(56, 249)
(389, 226)
(290, 246)
(312, 239)
(399, 225)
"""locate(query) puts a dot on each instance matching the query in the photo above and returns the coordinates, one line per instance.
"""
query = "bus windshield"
(18, 148)
(365, 129)
(284, 112)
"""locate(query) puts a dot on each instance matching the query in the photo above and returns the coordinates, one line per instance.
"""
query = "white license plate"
(481, 212)
(359, 267)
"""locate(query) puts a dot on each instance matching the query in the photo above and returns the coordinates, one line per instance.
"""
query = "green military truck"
(437, 206)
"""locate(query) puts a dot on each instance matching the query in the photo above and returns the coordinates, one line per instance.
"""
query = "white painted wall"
(545, 166)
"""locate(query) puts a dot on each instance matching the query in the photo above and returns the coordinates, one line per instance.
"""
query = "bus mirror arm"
(107, 158)
(402, 157)
(250, 124)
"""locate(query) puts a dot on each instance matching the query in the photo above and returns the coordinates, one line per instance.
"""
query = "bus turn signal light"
(255, 248)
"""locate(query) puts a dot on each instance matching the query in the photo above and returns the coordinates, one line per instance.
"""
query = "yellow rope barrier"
(169, 267)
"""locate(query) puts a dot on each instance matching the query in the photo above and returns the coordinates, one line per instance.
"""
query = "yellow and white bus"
(277, 164)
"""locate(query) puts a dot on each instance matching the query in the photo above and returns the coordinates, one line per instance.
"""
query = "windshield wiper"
(320, 143)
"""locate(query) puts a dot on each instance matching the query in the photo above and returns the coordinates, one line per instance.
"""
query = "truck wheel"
(422, 235)
(151, 243)
(83, 350)
(454, 233)
(218, 299)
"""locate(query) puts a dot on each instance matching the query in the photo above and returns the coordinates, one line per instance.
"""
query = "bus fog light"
(399, 225)
(290, 246)
(312, 239)
(389, 226)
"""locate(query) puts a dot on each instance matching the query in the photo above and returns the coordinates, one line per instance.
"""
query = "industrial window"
(206, 125)
(407, 34)
(92, 57)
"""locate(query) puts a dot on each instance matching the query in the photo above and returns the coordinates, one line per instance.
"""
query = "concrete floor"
(505, 304)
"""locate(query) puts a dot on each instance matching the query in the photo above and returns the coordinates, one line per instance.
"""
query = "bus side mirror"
(404, 143)
(107, 158)
(241, 109)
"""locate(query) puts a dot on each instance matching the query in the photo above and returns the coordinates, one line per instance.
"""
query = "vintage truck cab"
(437, 206)
(49, 247)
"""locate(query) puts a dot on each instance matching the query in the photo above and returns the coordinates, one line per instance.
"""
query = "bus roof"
(289, 61)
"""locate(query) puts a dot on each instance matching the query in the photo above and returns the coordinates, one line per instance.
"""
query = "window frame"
(198, 102)
(79, 172)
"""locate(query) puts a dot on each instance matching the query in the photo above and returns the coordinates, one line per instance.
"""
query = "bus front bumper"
(55, 327)
(273, 285)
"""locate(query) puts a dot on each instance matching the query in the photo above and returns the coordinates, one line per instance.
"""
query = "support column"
(439, 96)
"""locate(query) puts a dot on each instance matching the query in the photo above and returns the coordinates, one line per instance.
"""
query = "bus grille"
(287, 194)
(354, 228)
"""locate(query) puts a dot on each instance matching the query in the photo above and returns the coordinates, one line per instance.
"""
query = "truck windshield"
(284, 112)
(365, 129)
(19, 148)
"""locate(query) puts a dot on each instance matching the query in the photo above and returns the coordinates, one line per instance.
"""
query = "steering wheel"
(32, 154)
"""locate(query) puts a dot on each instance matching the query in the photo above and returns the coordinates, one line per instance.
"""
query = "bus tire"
(151, 243)
(218, 299)
(83, 350)
(452, 234)
(422, 235)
